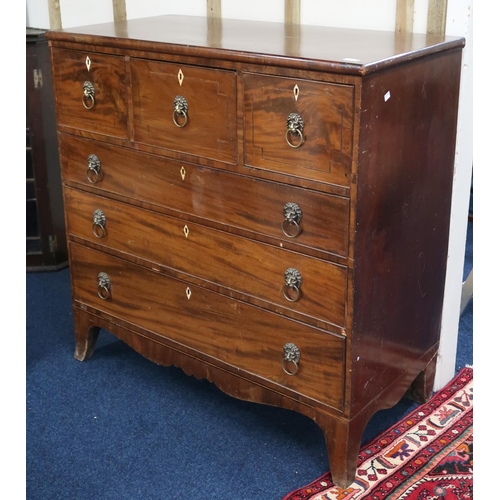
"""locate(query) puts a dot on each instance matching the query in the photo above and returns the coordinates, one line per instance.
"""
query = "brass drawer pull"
(93, 168)
(103, 286)
(293, 281)
(88, 95)
(291, 355)
(291, 225)
(99, 225)
(294, 126)
(180, 109)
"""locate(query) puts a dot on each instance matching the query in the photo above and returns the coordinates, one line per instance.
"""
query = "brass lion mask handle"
(93, 168)
(293, 282)
(291, 358)
(99, 224)
(294, 128)
(291, 225)
(180, 110)
(88, 100)
(103, 286)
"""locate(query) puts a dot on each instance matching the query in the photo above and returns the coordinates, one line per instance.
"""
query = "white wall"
(76, 13)
(458, 22)
(145, 8)
(37, 14)
(376, 14)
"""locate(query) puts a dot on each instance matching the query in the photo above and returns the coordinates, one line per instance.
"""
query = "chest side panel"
(405, 176)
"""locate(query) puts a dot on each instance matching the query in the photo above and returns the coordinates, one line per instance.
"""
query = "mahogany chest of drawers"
(262, 205)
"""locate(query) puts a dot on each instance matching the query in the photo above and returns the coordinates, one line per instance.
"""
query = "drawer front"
(102, 108)
(234, 262)
(235, 333)
(238, 201)
(318, 147)
(185, 109)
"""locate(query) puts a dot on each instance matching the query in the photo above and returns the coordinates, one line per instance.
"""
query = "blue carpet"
(120, 427)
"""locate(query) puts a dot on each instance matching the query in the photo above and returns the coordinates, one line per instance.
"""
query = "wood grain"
(403, 209)
(249, 206)
(327, 113)
(109, 115)
(315, 47)
(211, 117)
(217, 257)
(379, 113)
(227, 330)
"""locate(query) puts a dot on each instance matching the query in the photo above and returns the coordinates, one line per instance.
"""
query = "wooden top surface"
(350, 51)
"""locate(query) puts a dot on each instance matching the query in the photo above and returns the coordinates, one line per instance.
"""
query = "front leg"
(343, 440)
(86, 333)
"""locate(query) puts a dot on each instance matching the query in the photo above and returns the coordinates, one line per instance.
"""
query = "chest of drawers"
(263, 206)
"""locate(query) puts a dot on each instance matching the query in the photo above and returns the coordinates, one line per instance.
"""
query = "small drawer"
(294, 216)
(299, 127)
(185, 109)
(247, 338)
(284, 280)
(90, 92)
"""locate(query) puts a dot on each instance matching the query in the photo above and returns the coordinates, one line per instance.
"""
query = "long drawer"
(233, 262)
(233, 332)
(230, 199)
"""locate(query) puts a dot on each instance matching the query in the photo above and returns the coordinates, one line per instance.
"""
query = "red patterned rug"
(425, 456)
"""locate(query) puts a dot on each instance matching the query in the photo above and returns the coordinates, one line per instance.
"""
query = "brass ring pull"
(294, 127)
(180, 109)
(296, 229)
(88, 95)
(293, 281)
(103, 286)
(93, 168)
(99, 225)
(291, 225)
(285, 291)
(291, 355)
